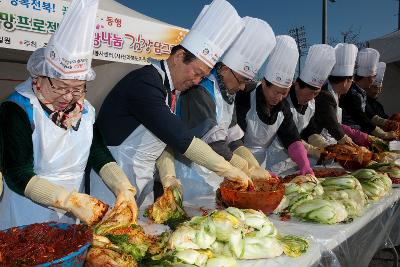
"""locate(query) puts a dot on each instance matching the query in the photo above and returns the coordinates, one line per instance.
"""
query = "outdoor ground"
(384, 258)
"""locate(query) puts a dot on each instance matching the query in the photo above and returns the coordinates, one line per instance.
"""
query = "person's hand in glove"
(312, 151)
(378, 132)
(305, 178)
(317, 140)
(346, 140)
(166, 169)
(118, 182)
(298, 154)
(374, 139)
(386, 125)
(259, 173)
(202, 154)
(359, 137)
(255, 171)
(86, 208)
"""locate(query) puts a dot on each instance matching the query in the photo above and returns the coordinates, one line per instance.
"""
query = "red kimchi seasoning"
(40, 243)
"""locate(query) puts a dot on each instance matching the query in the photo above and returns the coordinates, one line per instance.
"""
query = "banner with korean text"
(28, 25)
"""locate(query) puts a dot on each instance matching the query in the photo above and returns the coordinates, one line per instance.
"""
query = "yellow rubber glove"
(379, 121)
(305, 178)
(317, 140)
(255, 172)
(346, 140)
(202, 154)
(166, 169)
(312, 151)
(254, 169)
(245, 153)
(86, 208)
(118, 182)
(378, 132)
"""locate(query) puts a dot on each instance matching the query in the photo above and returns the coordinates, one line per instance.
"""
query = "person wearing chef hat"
(209, 108)
(264, 114)
(319, 63)
(325, 127)
(49, 133)
(353, 103)
(374, 108)
(142, 106)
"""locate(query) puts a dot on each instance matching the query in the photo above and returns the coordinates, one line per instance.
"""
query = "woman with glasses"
(50, 135)
(209, 109)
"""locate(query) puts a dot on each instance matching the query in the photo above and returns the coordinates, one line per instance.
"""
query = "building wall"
(390, 96)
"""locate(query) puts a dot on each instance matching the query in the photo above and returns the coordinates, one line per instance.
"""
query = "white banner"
(28, 25)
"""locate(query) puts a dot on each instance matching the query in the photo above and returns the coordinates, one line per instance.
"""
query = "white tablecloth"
(350, 244)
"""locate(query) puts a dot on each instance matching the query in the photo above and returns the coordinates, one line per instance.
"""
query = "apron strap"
(167, 86)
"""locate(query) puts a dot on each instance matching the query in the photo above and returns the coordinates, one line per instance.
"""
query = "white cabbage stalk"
(183, 238)
(236, 212)
(225, 224)
(261, 248)
(191, 256)
(282, 205)
(341, 213)
(255, 219)
(221, 248)
(205, 231)
(321, 211)
(222, 261)
(236, 243)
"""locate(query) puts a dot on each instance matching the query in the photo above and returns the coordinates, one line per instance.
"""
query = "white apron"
(137, 157)
(198, 180)
(259, 136)
(60, 156)
(279, 161)
(325, 132)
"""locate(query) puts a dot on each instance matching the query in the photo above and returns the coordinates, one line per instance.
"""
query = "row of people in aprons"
(50, 134)
(278, 126)
(181, 115)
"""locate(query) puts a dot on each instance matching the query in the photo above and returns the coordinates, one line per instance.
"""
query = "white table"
(350, 244)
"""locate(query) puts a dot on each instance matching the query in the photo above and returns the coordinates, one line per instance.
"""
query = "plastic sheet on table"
(354, 243)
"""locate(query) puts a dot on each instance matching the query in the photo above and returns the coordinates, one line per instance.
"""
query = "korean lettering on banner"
(111, 21)
(5, 40)
(10, 22)
(139, 45)
(111, 39)
(36, 5)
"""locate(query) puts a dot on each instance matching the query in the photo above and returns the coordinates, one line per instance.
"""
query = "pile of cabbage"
(374, 184)
(336, 199)
(225, 236)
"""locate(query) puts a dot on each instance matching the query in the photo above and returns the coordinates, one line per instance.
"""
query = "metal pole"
(324, 21)
(398, 18)
(298, 47)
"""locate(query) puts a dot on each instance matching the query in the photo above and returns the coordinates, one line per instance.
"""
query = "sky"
(371, 18)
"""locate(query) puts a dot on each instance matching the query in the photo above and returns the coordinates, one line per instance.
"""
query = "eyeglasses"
(242, 81)
(75, 91)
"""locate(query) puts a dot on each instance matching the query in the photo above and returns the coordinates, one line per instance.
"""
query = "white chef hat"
(213, 32)
(367, 62)
(281, 63)
(380, 73)
(319, 63)
(68, 55)
(346, 55)
(249, 51)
